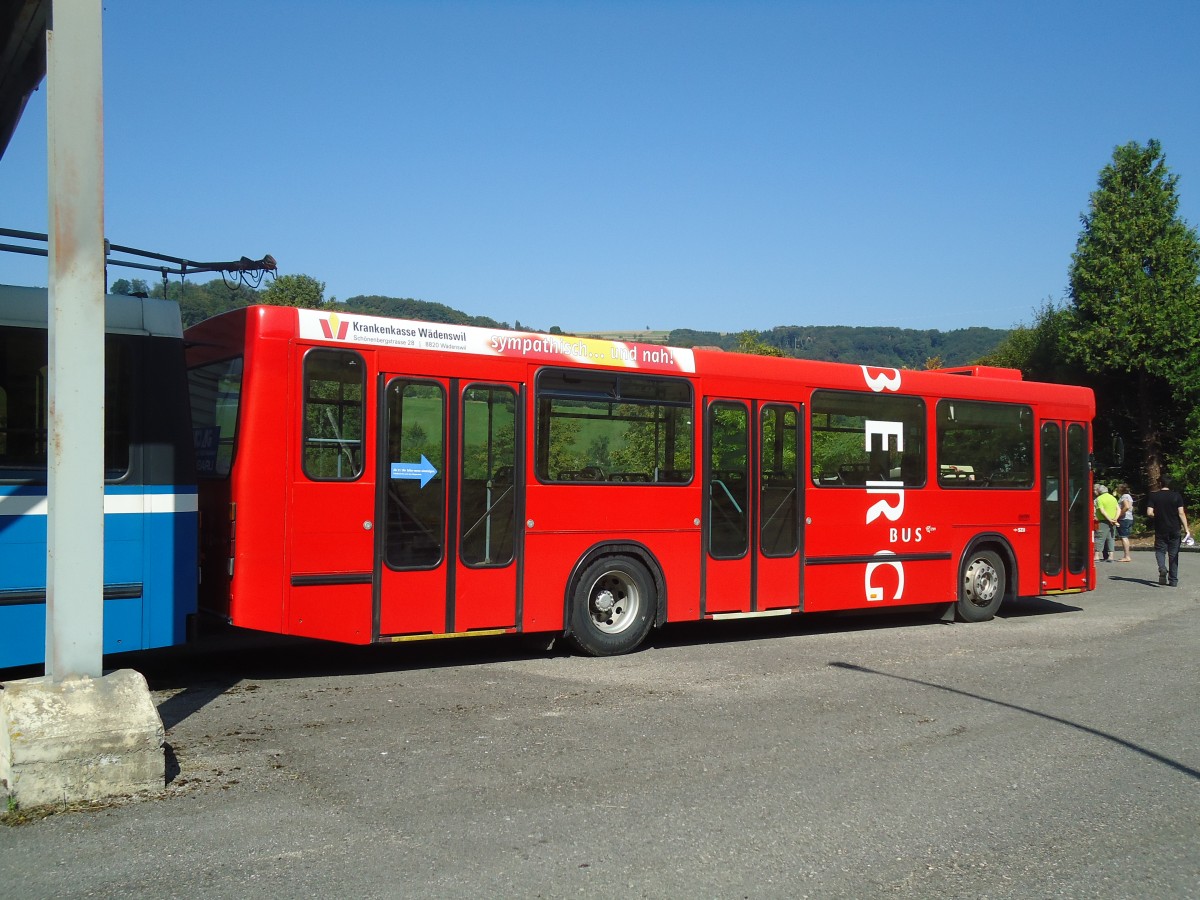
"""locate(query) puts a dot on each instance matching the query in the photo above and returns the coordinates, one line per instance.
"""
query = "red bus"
(366, 479)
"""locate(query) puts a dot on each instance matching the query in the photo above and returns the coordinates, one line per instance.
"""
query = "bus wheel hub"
(604, 603)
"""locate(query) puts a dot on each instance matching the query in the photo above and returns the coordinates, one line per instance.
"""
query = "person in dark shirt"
(1165, 508)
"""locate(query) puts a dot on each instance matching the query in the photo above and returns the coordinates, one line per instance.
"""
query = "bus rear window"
(216, 390)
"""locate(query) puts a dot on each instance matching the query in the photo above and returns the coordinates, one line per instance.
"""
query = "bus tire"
(982, 586)
(612, 607)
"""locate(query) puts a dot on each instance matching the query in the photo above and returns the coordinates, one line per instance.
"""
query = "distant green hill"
(903, 347)
(423, 310)
(908, 348)
(634, 336)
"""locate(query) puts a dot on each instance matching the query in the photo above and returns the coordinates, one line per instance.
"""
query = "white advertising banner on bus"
(348, 328)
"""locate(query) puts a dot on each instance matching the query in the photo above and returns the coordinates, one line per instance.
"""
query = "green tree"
(1136, 302)
(198, 302)
(750, 342)
(137, 287)
(303, 291)
(1040, 350)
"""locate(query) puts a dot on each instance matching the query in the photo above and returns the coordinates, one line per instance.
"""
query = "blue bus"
(150, 510)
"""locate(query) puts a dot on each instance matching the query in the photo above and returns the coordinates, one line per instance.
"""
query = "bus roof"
(355, 330)
(27, 307)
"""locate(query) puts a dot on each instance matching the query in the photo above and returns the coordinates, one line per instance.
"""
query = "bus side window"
(984, 444)
(612, 428)
(334, 388)
(860, 437)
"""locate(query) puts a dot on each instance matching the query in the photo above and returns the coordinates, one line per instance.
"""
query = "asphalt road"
(1053, 752)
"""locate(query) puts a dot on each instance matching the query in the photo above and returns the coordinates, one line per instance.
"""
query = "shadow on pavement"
(1149, 582)
(224, 659)
(1130, 745)
(1035, 606)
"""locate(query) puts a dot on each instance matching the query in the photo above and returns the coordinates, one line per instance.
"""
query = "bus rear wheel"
(982, 588)
(612, 607)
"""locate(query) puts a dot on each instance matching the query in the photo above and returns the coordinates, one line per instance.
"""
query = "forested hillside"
(422, 310)
(903, 347)
(198, 302)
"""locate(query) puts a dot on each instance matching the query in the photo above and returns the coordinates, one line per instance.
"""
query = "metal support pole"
(75, 524)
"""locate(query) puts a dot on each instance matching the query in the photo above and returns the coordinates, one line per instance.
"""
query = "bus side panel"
(679, 555)
(549, 561)
(149, 562)
(258, 489)
(23, 564)
(169, 583)
(660, 518)
(1013, 519)
(24, 628)
(1027, 547)
(868, 548)
(258, 586)
(23, 560)
(23, 550)
(331, 534)
(331, 612)
(124, 552)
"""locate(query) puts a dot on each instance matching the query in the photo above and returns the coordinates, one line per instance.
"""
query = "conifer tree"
(1136, 301)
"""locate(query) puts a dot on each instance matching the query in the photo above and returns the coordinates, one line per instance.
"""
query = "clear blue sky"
(612, 165)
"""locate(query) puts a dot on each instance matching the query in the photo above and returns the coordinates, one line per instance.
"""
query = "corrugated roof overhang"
(23, 26)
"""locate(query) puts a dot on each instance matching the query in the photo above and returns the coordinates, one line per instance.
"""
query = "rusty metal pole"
(75, 524)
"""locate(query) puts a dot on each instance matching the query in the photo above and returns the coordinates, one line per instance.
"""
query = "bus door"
(754, 507)
(1066, 540)
(446, 506)
(329, 528)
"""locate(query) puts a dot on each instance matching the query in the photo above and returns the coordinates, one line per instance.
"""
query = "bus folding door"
(753, 507)
(447, 506)
(1066, 540)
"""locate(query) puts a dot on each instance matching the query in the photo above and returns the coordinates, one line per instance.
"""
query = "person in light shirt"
(1125, 520)
(1106, 522)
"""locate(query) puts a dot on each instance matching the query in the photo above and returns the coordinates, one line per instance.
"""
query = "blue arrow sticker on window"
(422, 471)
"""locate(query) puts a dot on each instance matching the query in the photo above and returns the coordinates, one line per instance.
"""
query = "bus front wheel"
(612, 607)
(981, 590)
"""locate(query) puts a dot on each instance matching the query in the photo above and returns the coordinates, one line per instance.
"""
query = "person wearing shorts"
(1125, 519)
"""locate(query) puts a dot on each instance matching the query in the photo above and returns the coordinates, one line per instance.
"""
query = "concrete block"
(79, 739)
